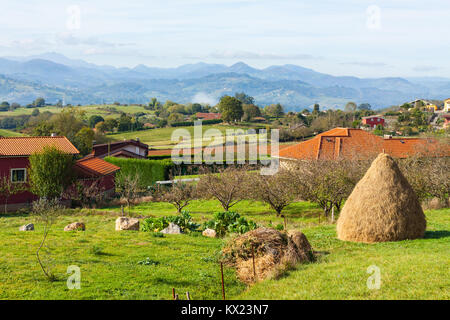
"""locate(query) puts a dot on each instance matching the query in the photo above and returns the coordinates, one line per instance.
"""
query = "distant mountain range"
(54, 76)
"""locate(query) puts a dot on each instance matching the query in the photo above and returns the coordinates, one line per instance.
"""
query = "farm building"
(446, 120)
(447, 105)
(122, 149)
(358, 144)
(373, 121)
(14, 165)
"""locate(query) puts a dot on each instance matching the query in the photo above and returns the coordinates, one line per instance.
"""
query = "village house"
(14, 164)
(373, 121)
(357, 144)
(447, 105)
(446, 120)
(122, 149)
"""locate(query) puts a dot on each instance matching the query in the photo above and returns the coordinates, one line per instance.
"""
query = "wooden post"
(188, 296)
(173, 293)
(223, 283)
(254, 267)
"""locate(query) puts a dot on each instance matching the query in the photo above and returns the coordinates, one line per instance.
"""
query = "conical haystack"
(382, 207)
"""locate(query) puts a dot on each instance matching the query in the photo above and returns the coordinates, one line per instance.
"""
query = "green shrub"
(154, 224)
(149, 171)
(229, 221)
(191, 123)
(183, 220)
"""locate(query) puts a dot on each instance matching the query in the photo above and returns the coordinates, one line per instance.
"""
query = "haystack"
(273, 253)
(382, 207)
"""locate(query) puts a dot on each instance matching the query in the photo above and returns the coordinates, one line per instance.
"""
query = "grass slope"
(9, 133)
(409, 269)
(161, 137)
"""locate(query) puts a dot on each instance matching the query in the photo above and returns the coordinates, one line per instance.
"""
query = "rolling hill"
(54, 77)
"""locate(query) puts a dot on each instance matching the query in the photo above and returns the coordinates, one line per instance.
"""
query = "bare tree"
(179, 194)
(87, 193)
(275, 190)
(328, 182)
(227, 186)
(428, 176)
(9, 188)
(128, 187)
(47, 211)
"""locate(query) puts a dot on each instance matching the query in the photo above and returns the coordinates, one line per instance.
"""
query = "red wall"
(373, 122)
(6, 164)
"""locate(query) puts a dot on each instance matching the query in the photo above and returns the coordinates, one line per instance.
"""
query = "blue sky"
(348, 37)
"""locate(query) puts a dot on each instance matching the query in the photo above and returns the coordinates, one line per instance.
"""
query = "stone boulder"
(76, 226)
(209, 233)
(123, 223)
(27, 227)
(172, 229)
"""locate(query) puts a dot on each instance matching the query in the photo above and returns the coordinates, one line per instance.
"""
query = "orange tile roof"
(96, 167)
(208, 116)
(359, 144)
(25, 146)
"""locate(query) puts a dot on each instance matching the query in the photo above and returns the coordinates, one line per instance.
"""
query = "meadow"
(101, 110)
(138, 265)
(9, 133)
(161, 138)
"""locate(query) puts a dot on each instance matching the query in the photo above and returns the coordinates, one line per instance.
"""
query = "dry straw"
(382, 207)
(274, 252)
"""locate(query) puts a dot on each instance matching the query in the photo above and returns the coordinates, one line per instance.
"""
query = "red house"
(122, 149)
(373, 121)
(14, 164)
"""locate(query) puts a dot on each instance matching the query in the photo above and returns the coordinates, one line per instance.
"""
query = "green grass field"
(9, 133)
(110, 268)
(161, 137)
(101, 110)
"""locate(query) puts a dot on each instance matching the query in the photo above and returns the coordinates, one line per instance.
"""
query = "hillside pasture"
(137, 265)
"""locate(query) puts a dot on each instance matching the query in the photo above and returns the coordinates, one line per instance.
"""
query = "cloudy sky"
(348, 37)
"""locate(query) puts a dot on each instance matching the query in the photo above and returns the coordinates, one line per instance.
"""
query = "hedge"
(150, 171)
(191, 123)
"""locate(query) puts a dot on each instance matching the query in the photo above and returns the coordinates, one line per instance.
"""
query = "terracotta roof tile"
(25, 146)
(96, 166)
(359, 144)
(208, 116)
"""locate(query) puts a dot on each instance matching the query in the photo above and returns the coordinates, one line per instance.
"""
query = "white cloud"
(260, 56)
(203, 97)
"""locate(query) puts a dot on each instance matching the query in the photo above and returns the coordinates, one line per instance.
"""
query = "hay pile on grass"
(274, 253)
(382, 207)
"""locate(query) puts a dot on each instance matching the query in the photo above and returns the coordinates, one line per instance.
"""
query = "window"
(18, 175)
